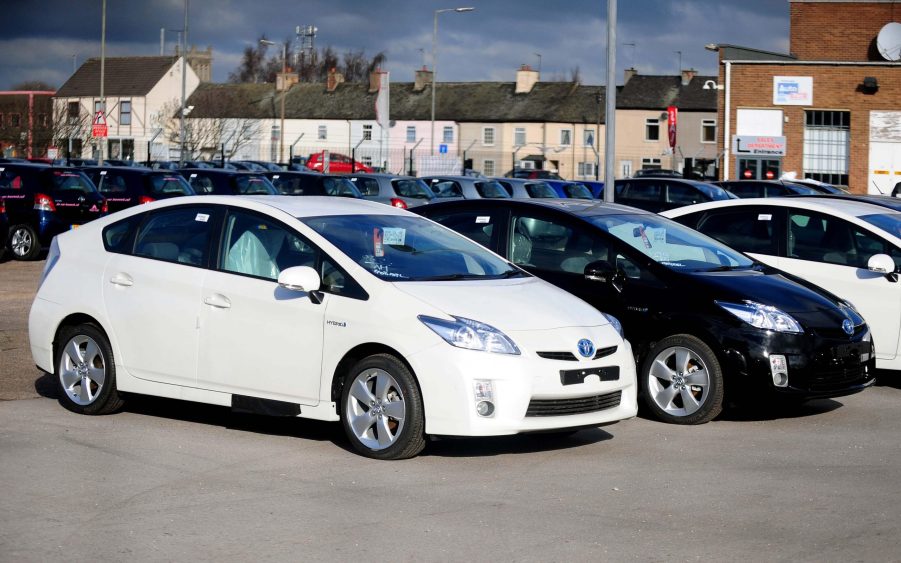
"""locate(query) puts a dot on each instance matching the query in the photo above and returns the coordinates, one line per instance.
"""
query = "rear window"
(72, 181)
(540, 190)
(491, 190)
(254, 185)
(367, 186)
(341, 187)
(110, 183)
(577, 191)
(119, 237)
(168, 184)
(415, 189)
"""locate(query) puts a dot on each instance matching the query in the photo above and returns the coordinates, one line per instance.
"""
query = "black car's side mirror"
(600, 271)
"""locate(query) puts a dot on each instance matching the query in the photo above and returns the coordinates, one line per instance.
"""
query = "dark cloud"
(41, 38)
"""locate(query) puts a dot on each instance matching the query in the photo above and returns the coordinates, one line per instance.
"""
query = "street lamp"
(435, 64)
(281, 129)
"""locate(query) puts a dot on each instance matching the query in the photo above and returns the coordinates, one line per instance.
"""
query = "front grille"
(580, 405)
(563, 356)
(836, 378)
(604, 352)
(837, 332)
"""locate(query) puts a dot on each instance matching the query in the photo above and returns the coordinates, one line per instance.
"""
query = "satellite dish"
(888, 42)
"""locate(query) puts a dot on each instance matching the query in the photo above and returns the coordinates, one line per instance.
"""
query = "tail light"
(44, 203)
(2, 206)
(395, 202)
(145, 199)
(104, 207)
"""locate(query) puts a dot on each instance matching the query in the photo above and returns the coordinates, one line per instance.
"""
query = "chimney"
(526, 78)
(423, 79)
(334, 78)
(630, 72)
(687, 75)
(375, 80)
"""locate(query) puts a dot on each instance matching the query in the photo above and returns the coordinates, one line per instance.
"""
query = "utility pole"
(610, 114)
(102, 75)
(184, 87)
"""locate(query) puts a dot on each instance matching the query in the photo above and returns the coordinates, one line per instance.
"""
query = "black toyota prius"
(703, 319)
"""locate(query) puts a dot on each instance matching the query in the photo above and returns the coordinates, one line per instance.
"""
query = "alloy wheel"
(678, 381)
(82, 370)
(376, 409)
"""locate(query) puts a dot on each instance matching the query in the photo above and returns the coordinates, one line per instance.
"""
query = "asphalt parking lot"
(164, 480)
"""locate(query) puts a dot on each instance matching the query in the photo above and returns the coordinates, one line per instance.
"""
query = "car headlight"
(614, 322)
(762, 316)
(850, 311)
(471, 335)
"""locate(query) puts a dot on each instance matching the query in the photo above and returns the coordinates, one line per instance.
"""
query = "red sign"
(672, 113)
(770, 175)
(99, 128)
(747, 173)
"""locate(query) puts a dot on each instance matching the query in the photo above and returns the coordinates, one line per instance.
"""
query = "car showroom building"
(830, 110)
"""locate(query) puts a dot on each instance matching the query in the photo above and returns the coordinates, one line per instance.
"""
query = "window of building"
(488, 167)
(488, 135)
(827, 143)
(367, 132)
(588, 137)
(650, 164)
(625, 168)
(411, 133)
(651, 130)
(448, 136)
(72, 113)
(708, 131)
(519, 136)
(125, 113)
(15, 120)
(98, 107)
(566, 137)
(587, 169)
(323, 133)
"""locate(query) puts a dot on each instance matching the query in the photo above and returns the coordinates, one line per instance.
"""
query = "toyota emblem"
(586, 348)
(847, 326)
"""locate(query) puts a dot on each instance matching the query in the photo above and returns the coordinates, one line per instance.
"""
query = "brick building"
(25, 123)
(829, 110)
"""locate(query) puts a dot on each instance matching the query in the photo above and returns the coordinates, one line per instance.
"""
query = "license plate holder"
(576, 376)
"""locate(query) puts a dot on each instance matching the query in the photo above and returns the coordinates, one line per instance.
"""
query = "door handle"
(218, 300)
(122, 279)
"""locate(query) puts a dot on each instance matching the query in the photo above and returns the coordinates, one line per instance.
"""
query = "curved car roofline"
(813, 202)
(578, 207)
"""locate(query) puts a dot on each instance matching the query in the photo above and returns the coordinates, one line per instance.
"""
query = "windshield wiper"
(446, 277)
(513, 273)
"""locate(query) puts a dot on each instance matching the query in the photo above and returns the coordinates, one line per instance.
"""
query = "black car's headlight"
(766, 317)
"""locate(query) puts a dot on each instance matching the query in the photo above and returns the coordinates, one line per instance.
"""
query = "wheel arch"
(356, 354)
(75, 319)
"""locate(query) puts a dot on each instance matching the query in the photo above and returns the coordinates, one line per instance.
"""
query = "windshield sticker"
(275, 176)
(377, 249)
(764, 217)
(394, 236)
(103, 172)
(382, 270)
(202, 217)
(672, 264)
(659, 235)
(644, 236)
(483, 219)
(193, 175)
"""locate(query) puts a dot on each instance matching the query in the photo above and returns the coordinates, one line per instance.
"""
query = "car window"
(176, 235)
(367, 186)
(258, 247)
(491, 189)
(475, 224)
(682, 194)
(67, 181)
(747, 230)
(577, 191)
(288, 185)
(775, 190)
(119, 236)
(822, 238)
(10, 179)
(408, 248)
(201, 184)
(168, 184)
(446, 188)
(109, 182)
(415, 189)
(644, 191)
(548, 244)
(540, 190)
(247, 184)
(340, 187)
(745, 189)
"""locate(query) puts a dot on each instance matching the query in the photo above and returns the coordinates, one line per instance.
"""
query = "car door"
(152, 293)
(257, 338)
(833, 253)
(755, 230)
(643, 193)
(478, 223)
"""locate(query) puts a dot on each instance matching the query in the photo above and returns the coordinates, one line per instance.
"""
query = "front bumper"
(529, 392)
(819, 365)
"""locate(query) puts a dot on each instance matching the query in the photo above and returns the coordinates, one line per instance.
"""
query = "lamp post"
(184, 81)
(281, 128)
(435, 65)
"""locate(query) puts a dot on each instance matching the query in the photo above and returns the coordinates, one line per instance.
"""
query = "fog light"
(483, 393)
(485, 408)
(779, 370)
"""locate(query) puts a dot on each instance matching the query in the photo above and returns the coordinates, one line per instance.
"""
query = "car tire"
(86, 371)
(23, 243)
(681, 381)
(381, 409)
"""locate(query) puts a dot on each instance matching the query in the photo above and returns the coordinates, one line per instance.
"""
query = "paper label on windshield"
(764, 217)
(103, 172)
(483, 219)
(202, 217)
(394, 235)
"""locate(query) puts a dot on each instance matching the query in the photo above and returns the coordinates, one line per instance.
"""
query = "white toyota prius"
(322, 308)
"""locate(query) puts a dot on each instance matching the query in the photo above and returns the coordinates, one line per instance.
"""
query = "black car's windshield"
(671, 244)
(541, 190)
(400, 248)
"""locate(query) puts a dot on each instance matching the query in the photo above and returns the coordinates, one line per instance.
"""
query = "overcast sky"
(40, 38)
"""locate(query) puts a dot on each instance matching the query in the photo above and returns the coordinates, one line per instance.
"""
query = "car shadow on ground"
(319, 431)
(776, 411)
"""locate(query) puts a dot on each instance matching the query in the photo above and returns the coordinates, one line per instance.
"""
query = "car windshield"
(165, 184)
(341, 187)
(405, 248)
(714, 192)
(415, 189)
(72, 181)
(491, 189)
(577, 191)
(802, 190)
(540, 190)
(252, 184)
(888, 222)
(671, 244)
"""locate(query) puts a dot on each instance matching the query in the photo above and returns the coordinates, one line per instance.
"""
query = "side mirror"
(299, 278)
(883, 264)
(599, 271)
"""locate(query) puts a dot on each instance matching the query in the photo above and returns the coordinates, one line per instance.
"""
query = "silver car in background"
(398, 191)
(465, 187)
(521, 188)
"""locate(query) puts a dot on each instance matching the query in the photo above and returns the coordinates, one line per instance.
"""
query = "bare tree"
(257, 65)
(36, 85)
(205, 136)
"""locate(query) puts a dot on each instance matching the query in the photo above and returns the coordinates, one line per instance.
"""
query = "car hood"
(516, 304)
(770, 287)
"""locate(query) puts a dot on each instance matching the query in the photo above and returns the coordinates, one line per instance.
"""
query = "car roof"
(519, 180)
(577, 207)
(380, 175)
(448, 177)
(300, 207)
(224, 171)
(875, 199)
(813, 203)
(668, 178)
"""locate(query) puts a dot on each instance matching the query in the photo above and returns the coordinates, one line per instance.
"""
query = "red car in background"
(338, 164)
